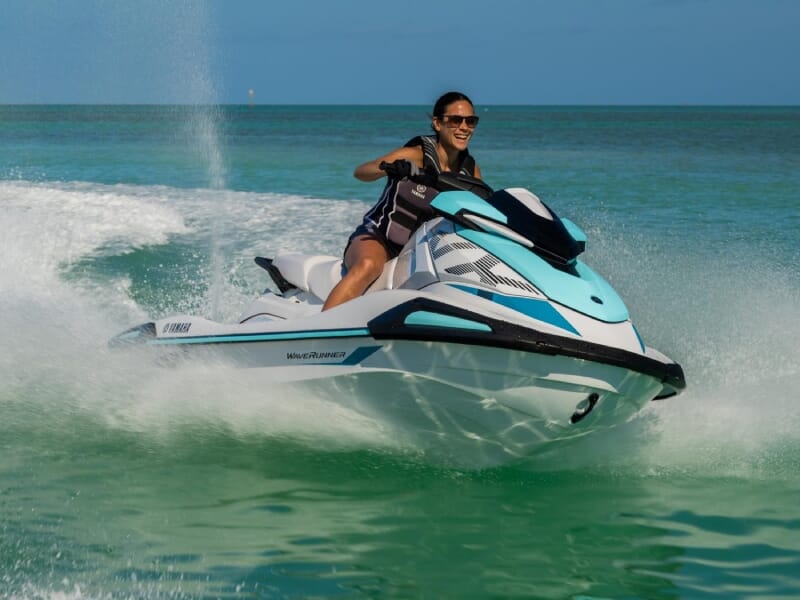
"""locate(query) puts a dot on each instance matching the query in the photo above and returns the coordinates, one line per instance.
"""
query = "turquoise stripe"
(639, 337)
(266, 337)
(541, 310)
(431, 319)
(360, 354)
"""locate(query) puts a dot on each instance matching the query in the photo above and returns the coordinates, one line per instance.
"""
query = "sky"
(535, 52)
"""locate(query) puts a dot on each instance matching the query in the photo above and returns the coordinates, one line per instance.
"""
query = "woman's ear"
(437, 126)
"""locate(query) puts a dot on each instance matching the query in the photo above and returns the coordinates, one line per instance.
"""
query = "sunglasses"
(456, 120)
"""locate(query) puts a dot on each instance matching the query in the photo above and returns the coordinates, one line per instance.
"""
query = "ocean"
(119, 479)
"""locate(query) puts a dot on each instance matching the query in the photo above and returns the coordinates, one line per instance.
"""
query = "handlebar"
(424, 176)
(443, 182)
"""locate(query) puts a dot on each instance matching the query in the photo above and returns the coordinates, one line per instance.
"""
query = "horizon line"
(386, 104)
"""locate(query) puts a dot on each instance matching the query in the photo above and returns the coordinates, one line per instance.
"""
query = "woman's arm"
(370, 171)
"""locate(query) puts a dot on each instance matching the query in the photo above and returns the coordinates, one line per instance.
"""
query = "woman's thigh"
(365, 248)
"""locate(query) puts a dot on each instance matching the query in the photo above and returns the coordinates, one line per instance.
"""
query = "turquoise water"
(121, 480)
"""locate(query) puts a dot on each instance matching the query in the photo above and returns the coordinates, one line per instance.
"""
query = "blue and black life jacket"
(404, 204)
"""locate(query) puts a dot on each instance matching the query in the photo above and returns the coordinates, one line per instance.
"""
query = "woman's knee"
(366, 256)
(367, 267)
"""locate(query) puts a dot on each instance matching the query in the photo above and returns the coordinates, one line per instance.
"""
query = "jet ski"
(487, 331)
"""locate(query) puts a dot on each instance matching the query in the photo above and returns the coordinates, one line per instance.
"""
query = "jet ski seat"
(319, 274)
(315, 274)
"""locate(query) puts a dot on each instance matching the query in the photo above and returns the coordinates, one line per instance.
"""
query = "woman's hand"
(370, 171)
(401, 168)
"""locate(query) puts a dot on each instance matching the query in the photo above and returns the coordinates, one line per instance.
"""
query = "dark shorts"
(365, 229)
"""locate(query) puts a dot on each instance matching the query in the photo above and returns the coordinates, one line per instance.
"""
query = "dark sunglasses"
(456, 120)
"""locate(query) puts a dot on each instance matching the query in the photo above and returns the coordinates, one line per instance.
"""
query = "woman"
(403, 203)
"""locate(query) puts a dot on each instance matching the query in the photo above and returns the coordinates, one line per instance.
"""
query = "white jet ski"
(486, 331)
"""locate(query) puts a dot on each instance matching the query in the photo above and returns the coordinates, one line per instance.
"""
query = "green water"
(207, 512)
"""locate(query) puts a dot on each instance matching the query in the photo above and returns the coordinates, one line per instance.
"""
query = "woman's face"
(454, 131)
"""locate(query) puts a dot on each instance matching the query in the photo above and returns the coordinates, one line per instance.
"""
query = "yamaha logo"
(421, 188)
(176, 328)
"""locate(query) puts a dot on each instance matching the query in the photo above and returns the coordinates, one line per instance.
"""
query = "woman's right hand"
(400, 168)
(370, 171)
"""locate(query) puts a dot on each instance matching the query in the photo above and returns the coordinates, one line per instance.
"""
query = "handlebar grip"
(389, 169)
(424, 176)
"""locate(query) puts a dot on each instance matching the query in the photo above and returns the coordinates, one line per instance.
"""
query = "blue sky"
(365, 51)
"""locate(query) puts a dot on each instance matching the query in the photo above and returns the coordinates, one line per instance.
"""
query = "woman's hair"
(446, 100)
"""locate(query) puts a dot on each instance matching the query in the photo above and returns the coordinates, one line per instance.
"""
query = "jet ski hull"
(494, 403)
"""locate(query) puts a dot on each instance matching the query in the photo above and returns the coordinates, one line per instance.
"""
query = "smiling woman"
(404, 203)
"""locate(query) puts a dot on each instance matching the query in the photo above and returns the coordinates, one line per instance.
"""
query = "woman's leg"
(364, 259)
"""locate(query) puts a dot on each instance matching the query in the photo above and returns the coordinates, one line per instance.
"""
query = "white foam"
(48, 226)
(60, 322)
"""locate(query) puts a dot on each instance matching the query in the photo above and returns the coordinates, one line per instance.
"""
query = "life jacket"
(404, 204)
